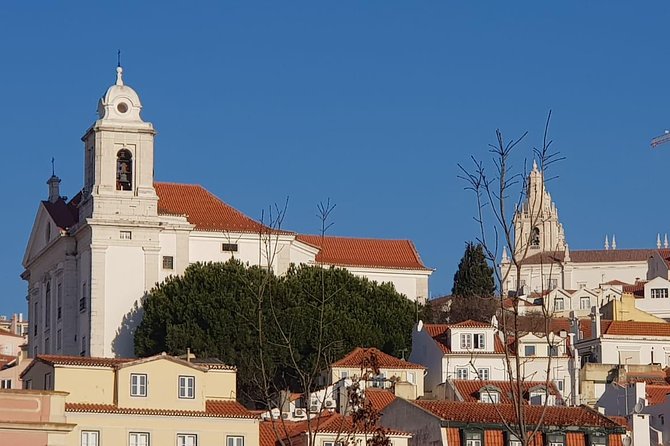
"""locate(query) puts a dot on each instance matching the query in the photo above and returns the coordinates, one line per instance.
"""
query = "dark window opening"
(124, 170)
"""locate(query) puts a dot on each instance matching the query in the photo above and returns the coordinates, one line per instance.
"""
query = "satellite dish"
(638, 407)
(419, 325)
(627, 441)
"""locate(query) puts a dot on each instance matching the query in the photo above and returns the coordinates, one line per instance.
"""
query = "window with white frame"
(138, 439)
(584, 303)
(559, 304)
(234, 441)
(473, 439)
(333, 443)
(529, 350)
(187, 387)
(138, 384)
(90, 438)
(125, 235)
(556, 439)
(513, 440)
(480, 341)
(344, 374)
(552, 350)
(466, 341)
(410, 377)
(559, 385)
(489, 396)
(47, 381)
(483, 373)
(659, 293)
(462, 373)
(5, 383)
(187, 440)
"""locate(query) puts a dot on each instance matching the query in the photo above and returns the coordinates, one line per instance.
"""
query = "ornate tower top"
(120, 103)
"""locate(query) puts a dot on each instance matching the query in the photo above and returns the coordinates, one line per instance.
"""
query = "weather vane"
(118, 58)
(53, 166)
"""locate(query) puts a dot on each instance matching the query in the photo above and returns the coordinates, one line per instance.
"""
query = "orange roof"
(651, 378)
(591, 256)
(379, 398)
(359, 356)
(636, 289)
(581, 416)
(334, 423)
(4, 332)
(213, 408)
(657, 394)
(471, 324)
(203, 209)
(470, 390)
(632, 328)
(347, 251)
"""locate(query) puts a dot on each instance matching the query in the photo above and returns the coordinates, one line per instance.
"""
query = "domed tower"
(119, 158)
(536, 225)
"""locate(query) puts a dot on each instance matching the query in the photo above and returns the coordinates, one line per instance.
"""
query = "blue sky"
(372, 104)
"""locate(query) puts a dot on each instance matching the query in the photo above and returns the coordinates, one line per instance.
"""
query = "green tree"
(303, 320)
(473, 290)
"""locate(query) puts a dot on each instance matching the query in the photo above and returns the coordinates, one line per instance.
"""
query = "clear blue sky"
(372, 104)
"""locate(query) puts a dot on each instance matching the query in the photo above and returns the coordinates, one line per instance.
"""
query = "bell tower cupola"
(119, 157)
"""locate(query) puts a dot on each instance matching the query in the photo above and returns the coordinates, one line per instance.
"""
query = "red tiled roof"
(636, 289)
(471, 324)
(203, 209)
(376, 253)
(632, 328)
(615, 282)
(621, 421)
(657, 394)
(359, 355)
(497, 413)
(591, 256)
(379, 398)
(213, 408)
(6, 359)
(453, 436)
(654, 378)
(83, 361)
(4, 332)
(63, 214)
(470, 389)
(334, 423)
(494, 438)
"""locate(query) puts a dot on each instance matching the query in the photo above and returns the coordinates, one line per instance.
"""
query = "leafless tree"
(500, 190)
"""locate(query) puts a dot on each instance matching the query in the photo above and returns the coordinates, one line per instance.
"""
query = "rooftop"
(360, 357)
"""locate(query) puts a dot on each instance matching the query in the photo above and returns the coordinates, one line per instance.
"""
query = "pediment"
(43, 227)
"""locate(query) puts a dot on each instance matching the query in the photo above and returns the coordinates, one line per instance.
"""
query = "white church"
(90, 259)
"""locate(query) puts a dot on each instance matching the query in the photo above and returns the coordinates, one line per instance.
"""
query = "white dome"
(120, 102)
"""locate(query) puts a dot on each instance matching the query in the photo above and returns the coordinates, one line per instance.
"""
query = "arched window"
(124, 170)
(535, 238)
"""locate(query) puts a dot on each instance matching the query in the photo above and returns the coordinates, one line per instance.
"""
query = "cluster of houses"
(587, 361)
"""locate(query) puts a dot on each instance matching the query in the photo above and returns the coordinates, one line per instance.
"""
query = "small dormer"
(489, 394)
(472, 336)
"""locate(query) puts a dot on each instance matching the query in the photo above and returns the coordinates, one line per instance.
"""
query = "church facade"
(91, 259)
(545, 259)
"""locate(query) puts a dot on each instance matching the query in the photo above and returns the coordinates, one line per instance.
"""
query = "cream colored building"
(160, 400)
(91, 258)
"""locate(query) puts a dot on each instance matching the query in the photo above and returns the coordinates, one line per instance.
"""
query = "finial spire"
(665, 241)
(504, 254)
(566, 257)
(607, 243)
(613, 241)
(119, 69)
(53, 166)
(658, 241)
(534, 165)
(118, 58)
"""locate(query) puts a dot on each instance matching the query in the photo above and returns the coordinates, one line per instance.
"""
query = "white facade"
(89, 261)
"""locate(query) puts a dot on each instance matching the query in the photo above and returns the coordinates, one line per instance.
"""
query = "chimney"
(595, 327)
(54, 188)
(640, 422)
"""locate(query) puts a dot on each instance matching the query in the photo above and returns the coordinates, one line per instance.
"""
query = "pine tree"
(474, 277)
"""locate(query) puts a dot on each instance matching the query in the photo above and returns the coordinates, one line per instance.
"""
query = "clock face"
(122, 107)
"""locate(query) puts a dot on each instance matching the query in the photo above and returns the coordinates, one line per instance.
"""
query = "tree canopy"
(270, 326)
(474, 276)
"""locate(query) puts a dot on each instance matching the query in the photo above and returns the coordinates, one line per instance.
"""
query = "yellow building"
(160, 400)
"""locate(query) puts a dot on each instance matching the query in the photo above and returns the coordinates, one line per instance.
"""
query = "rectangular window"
(168, 262)
(559, 385)
(410, 377)
(138, 384)
(473, 439)
(483, 374)
(90, 438)
(187, 387)
(555, 440)
(659, 293)
(581, 285)
(125, 235)
(229, 247)
(344, 374)
(553, 284)
(480, 341)
(466, 341)
(333, 443)
(47, 306)
(489, 396)
(47, 381)
(83, 346)
(139, 439)
(35, 312)
(28, 384)
(59, 340)
(552, 350)
(59, 301)
(529, 350)
(47, 346)
(5, 383)
(82, 299)
(187, 440)
(559, 304)
(462, 373)
(234, 441)
(584, 303)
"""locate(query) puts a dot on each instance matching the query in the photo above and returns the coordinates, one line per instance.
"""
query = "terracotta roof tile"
(657, 394)
(494, 438)
(440, 334)
(470, 389)
(379, 398)
(651, 378)
(347, 251)
(453, 436)
(471, 324)
(359, 355)
(615, 282)
(82, 360)
(492, 413)
(64, 215)
(591, 256)
(334, 423)
(203, 209)
(213, 408)
(636, 289)
(575, 439)
(632, 328)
